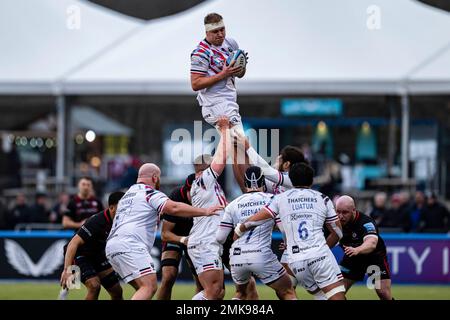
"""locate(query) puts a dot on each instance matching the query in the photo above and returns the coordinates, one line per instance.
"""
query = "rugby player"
(365, 251)
(252, 254)
(82, 205)
(133, 232)
(87, 251)
(174, 234)
(303, 212)
(213, 80)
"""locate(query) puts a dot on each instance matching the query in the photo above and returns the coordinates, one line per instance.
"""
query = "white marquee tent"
(295, 46)
(44, 41)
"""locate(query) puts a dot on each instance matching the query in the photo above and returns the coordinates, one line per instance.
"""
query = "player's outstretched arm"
(270, 173)
(184, 210)
(201, 81)
(336, 234)
(240, 164)
(220, 157)
(369, 245)
(72, 248)
(167, 234)
(68, 223)
(258, 219)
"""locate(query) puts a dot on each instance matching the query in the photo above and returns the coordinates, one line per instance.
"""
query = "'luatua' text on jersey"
(303, 213)
(254, 245)
(137, 217)
(206, 192)
(209, 60)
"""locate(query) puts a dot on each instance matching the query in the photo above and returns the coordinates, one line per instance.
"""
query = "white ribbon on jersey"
(214, 26)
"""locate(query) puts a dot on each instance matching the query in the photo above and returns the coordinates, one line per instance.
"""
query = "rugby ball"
(240, 60)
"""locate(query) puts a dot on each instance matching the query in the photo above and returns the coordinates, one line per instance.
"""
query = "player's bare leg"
(283, 288)
(168, 274)
(93, 287)
(252, 293)
(145, 286)
(384, 293)
(212, 282)
(348, 284)
(115, 291)
(335, 291)
(292, 277)
(241, 292)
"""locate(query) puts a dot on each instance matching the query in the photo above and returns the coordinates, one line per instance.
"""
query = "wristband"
(238, 231)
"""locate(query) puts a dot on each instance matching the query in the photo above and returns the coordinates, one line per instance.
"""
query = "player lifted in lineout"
(212, 78)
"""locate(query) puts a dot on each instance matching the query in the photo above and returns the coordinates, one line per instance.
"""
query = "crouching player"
(87, 251)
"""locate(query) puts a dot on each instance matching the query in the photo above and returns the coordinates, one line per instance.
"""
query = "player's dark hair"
(212, 18)
(293, 155)
(86, 178)
(254, 178)
(301, 175)
(115, 197)
(187, 185)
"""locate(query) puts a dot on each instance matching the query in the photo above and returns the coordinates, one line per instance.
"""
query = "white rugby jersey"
(137, 216)
(209, 60)
(254, 244)
(303, 213)
(277, 187)
(206, 192)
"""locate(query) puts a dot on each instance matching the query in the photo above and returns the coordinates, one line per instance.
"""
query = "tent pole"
(405, 136)
(60, 151)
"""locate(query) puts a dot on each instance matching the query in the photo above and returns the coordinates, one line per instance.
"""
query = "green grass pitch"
(185, 291)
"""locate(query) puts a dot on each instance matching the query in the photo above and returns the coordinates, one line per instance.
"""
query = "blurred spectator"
(436, 217)
(131, 173)
(19, 213)
(330, 180)
(379, 207)
(417, 211)
(82, 205)
(307, 152)
(60, 208)
(14, 165)
(397, 215)
(39, 212)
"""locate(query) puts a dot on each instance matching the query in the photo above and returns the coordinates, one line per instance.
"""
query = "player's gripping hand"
(213, 211)
(64, 278)
(229, 71)
(223, 122)
(350, 251)
(240, 140)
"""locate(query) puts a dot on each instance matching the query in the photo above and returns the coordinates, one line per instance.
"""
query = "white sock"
(320, 296)
(199, 296)
(235, 298)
